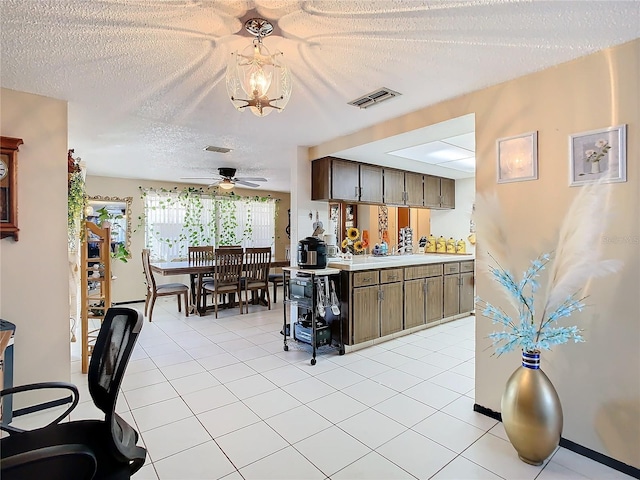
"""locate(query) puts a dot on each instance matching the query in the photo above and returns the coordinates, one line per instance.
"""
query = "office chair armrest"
(73, 398)
(127, 450)
(70, 457)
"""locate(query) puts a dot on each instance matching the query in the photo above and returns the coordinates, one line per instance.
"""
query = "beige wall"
(455, 223)
(34, 292)
(130, 285)
(598, 381)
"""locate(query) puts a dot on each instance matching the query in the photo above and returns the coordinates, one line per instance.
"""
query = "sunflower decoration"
(352, 242)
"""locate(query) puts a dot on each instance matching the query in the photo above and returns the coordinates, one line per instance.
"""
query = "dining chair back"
(154, 290)
(227, 273)
(197, 256)
(256, 273)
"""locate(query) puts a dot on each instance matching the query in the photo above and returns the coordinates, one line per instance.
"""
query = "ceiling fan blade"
(237, 181)
(209, 177)
(252, 179)
(214, 184)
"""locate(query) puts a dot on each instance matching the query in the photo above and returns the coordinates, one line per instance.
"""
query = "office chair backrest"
(116, 339)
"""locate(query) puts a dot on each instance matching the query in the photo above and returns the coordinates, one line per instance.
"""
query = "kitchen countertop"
(369, 262)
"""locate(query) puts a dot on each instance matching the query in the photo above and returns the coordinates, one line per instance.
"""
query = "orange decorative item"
(365, 238)
(385, 236)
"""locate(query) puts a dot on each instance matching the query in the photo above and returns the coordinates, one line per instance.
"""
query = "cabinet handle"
(368, 279)
(355, 194)
(380, 295)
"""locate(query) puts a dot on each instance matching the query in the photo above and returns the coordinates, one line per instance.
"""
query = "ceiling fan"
(226, 179)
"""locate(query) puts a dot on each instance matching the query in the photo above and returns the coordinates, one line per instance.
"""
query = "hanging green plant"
(76, 203)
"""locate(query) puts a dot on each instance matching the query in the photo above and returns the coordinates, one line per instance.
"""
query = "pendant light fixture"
(256, 78)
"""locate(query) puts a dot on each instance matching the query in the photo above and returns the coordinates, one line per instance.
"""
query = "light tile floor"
(219, 398)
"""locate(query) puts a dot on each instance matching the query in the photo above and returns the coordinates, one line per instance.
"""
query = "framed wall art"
(598, 155)
(518, 158)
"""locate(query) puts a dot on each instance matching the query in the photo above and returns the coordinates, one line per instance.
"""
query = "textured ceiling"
(145, 79)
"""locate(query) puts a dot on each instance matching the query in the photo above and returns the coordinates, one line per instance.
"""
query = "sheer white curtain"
(174, 221)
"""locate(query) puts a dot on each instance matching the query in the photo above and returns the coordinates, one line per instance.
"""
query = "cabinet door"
(370, 183)
(390, 308)
(467, 283)
(414, 303)
(321, 179)
(366, 325)
(431, 191)
(413, 187)
(448, 193)
(434, 299)
(344, 180)
(393, 187)
(451, 295)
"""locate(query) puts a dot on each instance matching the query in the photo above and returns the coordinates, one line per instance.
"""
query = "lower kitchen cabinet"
(366, 324)
(414, 302)
(435, 294)
(451, 295)
(385, 301)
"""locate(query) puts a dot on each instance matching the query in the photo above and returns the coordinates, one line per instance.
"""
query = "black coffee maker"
(312, 253)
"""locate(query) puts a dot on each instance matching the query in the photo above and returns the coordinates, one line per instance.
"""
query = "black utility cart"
(312, 302)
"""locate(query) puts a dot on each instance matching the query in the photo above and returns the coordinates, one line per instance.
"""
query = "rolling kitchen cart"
(312, 296)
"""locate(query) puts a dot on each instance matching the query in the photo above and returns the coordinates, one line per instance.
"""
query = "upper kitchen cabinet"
(393, 186)
(439, 192)
(335, 179)
(370, 183)
(414, 190)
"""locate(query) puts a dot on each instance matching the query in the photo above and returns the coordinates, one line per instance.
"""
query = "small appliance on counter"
(332, 245)
(312, 253)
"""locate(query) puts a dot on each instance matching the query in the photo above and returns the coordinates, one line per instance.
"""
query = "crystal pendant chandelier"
(256, 78)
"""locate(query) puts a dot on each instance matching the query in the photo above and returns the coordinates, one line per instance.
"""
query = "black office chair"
(84, 449)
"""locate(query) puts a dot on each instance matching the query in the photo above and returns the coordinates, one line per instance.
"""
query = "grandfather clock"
(9, 187)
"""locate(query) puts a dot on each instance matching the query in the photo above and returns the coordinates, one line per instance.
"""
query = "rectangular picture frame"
(517, 158)
(598, 155)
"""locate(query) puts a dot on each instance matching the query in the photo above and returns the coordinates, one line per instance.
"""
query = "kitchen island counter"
(370, 262)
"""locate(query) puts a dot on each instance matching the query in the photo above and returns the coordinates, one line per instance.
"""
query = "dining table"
(196, 270)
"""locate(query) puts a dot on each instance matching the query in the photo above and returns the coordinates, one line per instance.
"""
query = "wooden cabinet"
(393, 186)
(458, 288)
(447, 193)
(95, 266)
(414, 303)
(439, 193)
(334, 179)
(423, 296)
(343, 180)
(414, 189)
(366, 324)
(435, 294)
(386, 301)
(370, 183)
(391, 301)
(467, 286)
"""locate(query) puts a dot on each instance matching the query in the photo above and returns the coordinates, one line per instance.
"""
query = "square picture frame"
(598, 155)
(517, 158)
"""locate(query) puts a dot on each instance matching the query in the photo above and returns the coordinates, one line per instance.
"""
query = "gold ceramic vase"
(531, 411)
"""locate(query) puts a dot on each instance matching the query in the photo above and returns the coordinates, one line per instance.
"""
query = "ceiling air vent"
(212, 148)
(374, 98)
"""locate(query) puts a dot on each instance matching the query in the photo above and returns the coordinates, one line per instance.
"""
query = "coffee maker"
(332, 245)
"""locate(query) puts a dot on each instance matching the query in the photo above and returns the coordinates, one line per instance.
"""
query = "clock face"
(3, 169)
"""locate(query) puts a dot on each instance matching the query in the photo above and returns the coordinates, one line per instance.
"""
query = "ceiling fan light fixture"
(255, 78)
(226, 184)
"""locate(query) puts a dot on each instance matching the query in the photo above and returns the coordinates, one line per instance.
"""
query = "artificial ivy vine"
(194, 232)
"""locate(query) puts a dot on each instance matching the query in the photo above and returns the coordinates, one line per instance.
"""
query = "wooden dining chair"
(154, 291)
(199, 255)
(227, 273)
(256, 273)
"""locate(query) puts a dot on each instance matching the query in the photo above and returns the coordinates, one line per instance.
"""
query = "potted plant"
(105, 219)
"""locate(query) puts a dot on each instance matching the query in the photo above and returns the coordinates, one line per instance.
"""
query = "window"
(176, 220)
